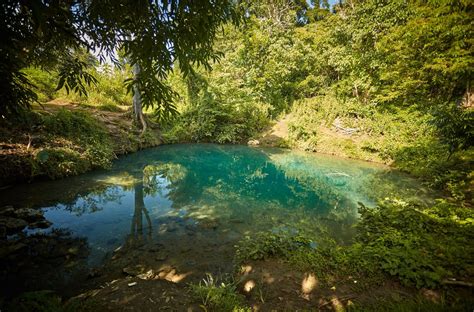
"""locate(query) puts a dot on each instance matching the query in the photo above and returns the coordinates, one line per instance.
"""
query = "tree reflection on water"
(139, 233)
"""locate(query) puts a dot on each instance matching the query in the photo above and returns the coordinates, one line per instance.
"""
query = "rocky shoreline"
(13, 221)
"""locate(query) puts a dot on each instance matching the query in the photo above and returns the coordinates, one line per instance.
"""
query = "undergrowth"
(55, 145)
(218, 296)
(419, 246)
(76, 143)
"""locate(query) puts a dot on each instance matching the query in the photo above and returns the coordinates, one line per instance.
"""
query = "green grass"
(218, 296)
(76, 142)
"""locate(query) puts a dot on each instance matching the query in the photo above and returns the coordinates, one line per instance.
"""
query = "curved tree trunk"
(137, 101)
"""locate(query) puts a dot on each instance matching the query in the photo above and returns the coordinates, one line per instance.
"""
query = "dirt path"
(277, 134)
(329, 139)
(266, 285)
(118, 123)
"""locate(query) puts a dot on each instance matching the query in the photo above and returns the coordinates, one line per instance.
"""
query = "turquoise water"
(187, 205)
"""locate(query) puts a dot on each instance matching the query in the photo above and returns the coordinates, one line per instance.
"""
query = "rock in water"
(42, 224)
(7, 211)
(28, 214)
(12, 225)
(209, 224)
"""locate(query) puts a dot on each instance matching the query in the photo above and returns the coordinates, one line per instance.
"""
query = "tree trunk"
(137, 101)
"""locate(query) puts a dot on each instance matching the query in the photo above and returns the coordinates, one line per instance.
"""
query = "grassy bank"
(57, 141)
(404, 138)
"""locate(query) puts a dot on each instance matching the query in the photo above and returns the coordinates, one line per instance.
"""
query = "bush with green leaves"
(44, 82)
(264, 245)
(420, 246)
(212, 110)
(214, 123)
(75, 143)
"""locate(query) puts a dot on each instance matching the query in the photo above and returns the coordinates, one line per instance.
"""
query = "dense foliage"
(151, 34)
(420, 246)
(64, 143)
(57, 143)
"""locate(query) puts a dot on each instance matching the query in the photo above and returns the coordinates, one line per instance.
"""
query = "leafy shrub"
(431, 161)
(420, 246)
(77, 143)
(58, 163)
(270, 244)
(72, 124)
(211, 121)
(45, 83)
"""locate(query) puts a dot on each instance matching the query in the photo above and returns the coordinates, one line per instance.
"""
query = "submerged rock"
(209, 224)
(12, 225)
(14, 220)
(42, 224)
(171, 227)
(168, 227)
(29, 214)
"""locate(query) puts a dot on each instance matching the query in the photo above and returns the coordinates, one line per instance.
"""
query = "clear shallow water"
(191, 203)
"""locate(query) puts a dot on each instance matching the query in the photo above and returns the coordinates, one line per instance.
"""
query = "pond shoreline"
(22, 147)
(159, 279)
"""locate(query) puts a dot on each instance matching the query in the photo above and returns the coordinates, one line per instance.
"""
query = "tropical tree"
(153, 35)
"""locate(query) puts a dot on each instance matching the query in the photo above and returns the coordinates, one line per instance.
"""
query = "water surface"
(187, 205)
